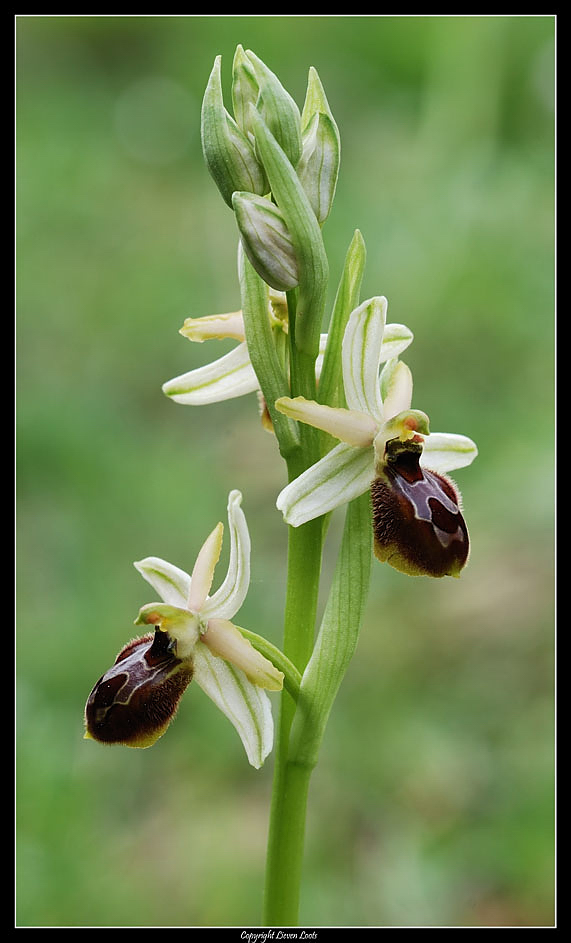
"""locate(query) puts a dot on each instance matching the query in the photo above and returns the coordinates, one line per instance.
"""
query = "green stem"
(305, 307)
(291, 779)
(305, 543)
(286, 844)
(302, 725)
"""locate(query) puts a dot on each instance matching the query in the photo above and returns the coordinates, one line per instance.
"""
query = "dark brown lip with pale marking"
(417, 523)
(134, 702)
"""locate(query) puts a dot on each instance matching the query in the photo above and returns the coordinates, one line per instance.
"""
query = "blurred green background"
(433, 802)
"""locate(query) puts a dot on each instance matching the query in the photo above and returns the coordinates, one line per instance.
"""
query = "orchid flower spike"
(384, 446)
(193, 638)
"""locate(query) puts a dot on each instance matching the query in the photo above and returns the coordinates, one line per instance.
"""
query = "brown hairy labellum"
(134, 702)
(417, 522)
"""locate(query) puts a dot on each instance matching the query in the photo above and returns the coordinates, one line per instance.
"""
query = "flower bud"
(266, 240)
(134, 702)
(245, 89)
(229, 156)
(318, 167)
(278, 109)
(417, 524)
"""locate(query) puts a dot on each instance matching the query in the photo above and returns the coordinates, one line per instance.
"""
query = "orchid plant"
(339, 404)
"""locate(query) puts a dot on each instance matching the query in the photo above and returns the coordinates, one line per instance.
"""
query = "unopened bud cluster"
(272, 228)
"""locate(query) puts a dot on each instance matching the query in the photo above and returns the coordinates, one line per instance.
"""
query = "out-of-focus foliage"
(433, 801)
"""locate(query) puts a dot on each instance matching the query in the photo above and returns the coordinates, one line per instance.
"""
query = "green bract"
(266, 240)
(318, 167)
(228, 153)
(278, 109)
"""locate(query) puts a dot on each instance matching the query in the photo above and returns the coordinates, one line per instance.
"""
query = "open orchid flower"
(383, 440)
(232, 375)
(193, 638)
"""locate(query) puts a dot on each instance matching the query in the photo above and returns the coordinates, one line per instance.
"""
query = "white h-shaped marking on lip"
(422, 509)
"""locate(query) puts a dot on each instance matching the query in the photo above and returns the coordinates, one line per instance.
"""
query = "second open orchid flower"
(384, 441)
(134, 702)
(233, 375)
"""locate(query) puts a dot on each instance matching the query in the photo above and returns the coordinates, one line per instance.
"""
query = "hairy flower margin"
(134, 702)
(376, 430)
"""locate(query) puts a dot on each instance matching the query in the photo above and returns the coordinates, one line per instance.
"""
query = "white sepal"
(246, 705)
(445, 451)
(230, 376)
(361, 356)
(343, 474)
(171, 583)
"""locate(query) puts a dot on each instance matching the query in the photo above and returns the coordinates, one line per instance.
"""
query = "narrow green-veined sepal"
(229, 155)
(340, 476)
(361, 356)
(169, 581)
(266, 240)
(246, 705)
(225, 378)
